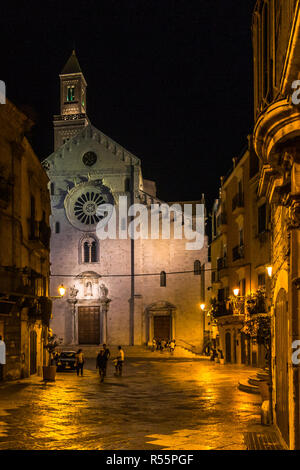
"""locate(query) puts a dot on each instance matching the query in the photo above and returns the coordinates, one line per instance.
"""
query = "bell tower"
(72, 117)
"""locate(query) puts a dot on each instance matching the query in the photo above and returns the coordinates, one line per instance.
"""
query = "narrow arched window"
(197, 267)
(89, 250)
(163, 279)
(86, 252)
(51, 189)
(57, 227)
(93, 252)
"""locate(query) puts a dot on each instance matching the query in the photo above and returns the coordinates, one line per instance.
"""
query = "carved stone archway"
(160, 309)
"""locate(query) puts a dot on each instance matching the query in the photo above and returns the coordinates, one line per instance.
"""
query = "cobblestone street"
(170, 404)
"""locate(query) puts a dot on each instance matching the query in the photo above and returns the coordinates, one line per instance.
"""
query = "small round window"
(89, 158)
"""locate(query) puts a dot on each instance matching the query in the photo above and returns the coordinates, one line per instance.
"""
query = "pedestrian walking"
(107, 356)
(79, 362)
(119, 361)
(2, 358)
(101, 363)
(153, 344)
(172, 347)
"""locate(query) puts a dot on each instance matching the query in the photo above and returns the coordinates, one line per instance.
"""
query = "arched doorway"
(162, 327)
(161, 321)
(33, 352)
(243, 349)
(282, 350)
(228, 346)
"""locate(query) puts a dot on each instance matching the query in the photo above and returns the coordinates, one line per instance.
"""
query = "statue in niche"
(103, 291)
(73, 292)
(89, 289)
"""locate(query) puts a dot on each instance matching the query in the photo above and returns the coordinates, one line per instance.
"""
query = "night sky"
(171, 81)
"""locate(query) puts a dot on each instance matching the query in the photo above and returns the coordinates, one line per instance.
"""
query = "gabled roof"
(90, 132)
(72, 65)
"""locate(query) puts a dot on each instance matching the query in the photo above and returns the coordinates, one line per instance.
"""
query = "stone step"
(262, 375)
(254, 380)
(248, 388)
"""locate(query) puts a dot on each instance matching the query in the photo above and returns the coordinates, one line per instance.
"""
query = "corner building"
(276, 45)
(119, 291)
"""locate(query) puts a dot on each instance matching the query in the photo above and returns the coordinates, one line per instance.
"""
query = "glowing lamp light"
(269, 270)
(236, 291)
(61, 290)
(202, 306)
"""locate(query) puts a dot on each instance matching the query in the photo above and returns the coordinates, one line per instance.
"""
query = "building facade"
(276, 45)
(119, 290)
(25, 307)
(240, 254)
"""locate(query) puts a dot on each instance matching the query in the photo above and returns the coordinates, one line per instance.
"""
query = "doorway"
(162, 327)
(33, 352)
(228, 346)
(89, 325)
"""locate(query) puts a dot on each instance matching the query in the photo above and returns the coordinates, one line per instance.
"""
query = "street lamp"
(269, 270)
(62, 290)
(236, 291)
(202, 306)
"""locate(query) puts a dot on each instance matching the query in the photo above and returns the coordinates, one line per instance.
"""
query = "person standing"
(79, 362)
(101, 363)
(120, 361)
(107, 356)
(2, 358)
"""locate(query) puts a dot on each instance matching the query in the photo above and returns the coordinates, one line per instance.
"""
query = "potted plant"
(49, 371)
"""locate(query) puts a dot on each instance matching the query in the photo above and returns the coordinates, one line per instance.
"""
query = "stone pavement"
(159, 403)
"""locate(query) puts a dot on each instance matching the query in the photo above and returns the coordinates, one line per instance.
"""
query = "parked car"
(66, 361)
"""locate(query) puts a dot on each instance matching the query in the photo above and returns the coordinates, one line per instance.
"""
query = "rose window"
(89, 158)
(85, 207)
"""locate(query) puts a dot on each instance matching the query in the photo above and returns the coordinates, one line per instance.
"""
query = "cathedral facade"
(121, 290)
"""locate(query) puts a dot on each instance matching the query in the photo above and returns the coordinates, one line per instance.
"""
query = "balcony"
(39, 234)
(238, 203)
(222, 308)
(238, 252)
(222, 263)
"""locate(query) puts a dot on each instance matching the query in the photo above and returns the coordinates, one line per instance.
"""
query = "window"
(242, 286)
(32, 218)
(163, 279)
(51, 189)
(241, 237)
(57, 227)
(262, 218)
(261, 278)
(70, 93)
(127, 185)
(89, 250)
(197, 268)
